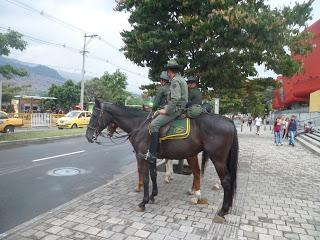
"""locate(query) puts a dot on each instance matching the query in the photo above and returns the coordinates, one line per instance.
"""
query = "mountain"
(40, 77)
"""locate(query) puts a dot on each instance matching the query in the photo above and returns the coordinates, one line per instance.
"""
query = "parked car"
(8, 124)
(74, 119)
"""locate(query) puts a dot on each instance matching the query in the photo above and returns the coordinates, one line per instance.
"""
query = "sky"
(94, 17)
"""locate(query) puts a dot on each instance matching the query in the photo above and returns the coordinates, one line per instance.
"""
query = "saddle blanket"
(178, 129)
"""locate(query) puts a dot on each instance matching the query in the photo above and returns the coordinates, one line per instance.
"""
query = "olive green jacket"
(195, 96)
(178, 97)
(161, 98)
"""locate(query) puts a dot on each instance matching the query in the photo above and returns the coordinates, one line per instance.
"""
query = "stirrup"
(149, 157)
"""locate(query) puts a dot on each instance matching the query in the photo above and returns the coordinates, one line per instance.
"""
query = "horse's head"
(99, 120)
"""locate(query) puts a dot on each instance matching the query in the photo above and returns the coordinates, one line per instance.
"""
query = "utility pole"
(85, 43)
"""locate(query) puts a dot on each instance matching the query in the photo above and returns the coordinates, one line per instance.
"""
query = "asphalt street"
(40, 176)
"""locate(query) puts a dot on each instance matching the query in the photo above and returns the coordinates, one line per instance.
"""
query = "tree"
(109, 87)
(218, 40)
(8, 41)
(67, 94)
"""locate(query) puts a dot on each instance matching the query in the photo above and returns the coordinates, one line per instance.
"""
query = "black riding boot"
(151, 155)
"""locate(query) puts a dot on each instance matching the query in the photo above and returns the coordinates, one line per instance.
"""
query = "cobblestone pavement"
(277, 198)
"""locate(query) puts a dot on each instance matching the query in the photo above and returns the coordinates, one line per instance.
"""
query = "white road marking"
(56, 156)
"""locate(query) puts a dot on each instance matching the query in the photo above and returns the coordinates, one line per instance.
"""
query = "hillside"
(40, 77)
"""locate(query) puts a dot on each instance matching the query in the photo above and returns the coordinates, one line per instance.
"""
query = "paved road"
(27, 189)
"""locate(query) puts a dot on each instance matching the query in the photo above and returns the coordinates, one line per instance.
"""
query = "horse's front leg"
(153, 175)
(145, 200)
(140, 175)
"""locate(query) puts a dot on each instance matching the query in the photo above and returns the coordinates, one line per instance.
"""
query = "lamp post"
(85, 43)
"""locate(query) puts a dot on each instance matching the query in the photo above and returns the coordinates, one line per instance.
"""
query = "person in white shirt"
(258, 123)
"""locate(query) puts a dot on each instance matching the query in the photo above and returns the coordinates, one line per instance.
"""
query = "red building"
(296, 89)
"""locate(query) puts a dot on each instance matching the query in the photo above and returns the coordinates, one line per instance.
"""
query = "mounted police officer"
(162, 94)
(194, 94)
(177, 100)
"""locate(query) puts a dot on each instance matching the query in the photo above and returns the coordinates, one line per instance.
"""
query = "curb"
(16, 142)
(43, 215)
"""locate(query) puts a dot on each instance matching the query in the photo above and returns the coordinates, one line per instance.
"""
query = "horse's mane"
(136, 112)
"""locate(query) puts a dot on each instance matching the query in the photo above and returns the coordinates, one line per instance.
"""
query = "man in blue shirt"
(292, 129)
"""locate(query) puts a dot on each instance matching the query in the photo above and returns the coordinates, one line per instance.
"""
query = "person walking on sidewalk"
(258, 123)
(277, 131)
(292, 129)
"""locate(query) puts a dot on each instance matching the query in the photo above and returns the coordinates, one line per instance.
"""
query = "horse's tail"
(232, 164)
(204, 161)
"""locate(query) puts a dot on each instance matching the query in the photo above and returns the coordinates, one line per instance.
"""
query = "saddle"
(177, 129)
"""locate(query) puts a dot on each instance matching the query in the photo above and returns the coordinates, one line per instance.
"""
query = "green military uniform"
(177, 100)
(195, 96)
(161, 98)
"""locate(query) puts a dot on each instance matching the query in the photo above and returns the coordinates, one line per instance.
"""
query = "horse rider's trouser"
(162, 120)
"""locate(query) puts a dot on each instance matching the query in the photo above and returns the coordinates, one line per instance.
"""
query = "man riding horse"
(178, 98)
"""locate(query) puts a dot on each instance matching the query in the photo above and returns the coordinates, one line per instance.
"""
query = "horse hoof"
(219, 219)
(216, 187)
(203, 201)
(137, 189)
(152, 201)
(139, 209)
(194, 201)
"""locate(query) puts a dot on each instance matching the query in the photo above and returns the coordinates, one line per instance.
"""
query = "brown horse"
(214, 134)
(192, 162)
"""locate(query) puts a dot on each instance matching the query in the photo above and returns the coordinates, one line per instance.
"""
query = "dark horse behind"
(212, 133)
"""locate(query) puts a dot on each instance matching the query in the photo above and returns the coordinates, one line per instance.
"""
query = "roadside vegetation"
(40, 134)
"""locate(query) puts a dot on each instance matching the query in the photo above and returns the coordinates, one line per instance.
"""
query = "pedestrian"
(176, 103)
(258, 123)
(285, 126)
(292, 129)
(277, 131)
(250, 121)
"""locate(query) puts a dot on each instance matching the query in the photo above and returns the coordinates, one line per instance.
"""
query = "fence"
(31, 120)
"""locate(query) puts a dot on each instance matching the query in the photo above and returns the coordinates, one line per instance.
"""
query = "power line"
(90, 55)
(35, 39)
(59, 21)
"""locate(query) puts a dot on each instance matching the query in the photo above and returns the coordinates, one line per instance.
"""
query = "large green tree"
(67, 95)
(218, 40)
(109, 87)
(8, 41)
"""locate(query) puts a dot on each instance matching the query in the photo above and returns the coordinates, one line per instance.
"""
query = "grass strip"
(40, 134)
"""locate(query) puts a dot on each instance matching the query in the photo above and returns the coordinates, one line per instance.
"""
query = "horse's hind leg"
(140, 175)
(169, 171)
(153, 175)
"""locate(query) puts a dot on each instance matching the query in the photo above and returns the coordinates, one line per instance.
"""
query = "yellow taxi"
(74, 119)
(8, 124)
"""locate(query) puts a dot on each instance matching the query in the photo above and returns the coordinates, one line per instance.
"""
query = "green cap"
(164, 76)
(172, 64)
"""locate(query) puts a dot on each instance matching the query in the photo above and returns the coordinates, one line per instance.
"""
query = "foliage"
(67, 95)
(109, 87)
(10, 90)
(218, 40)
(8, 41)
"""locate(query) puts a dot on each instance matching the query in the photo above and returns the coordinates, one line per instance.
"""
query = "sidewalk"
(277, 198)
